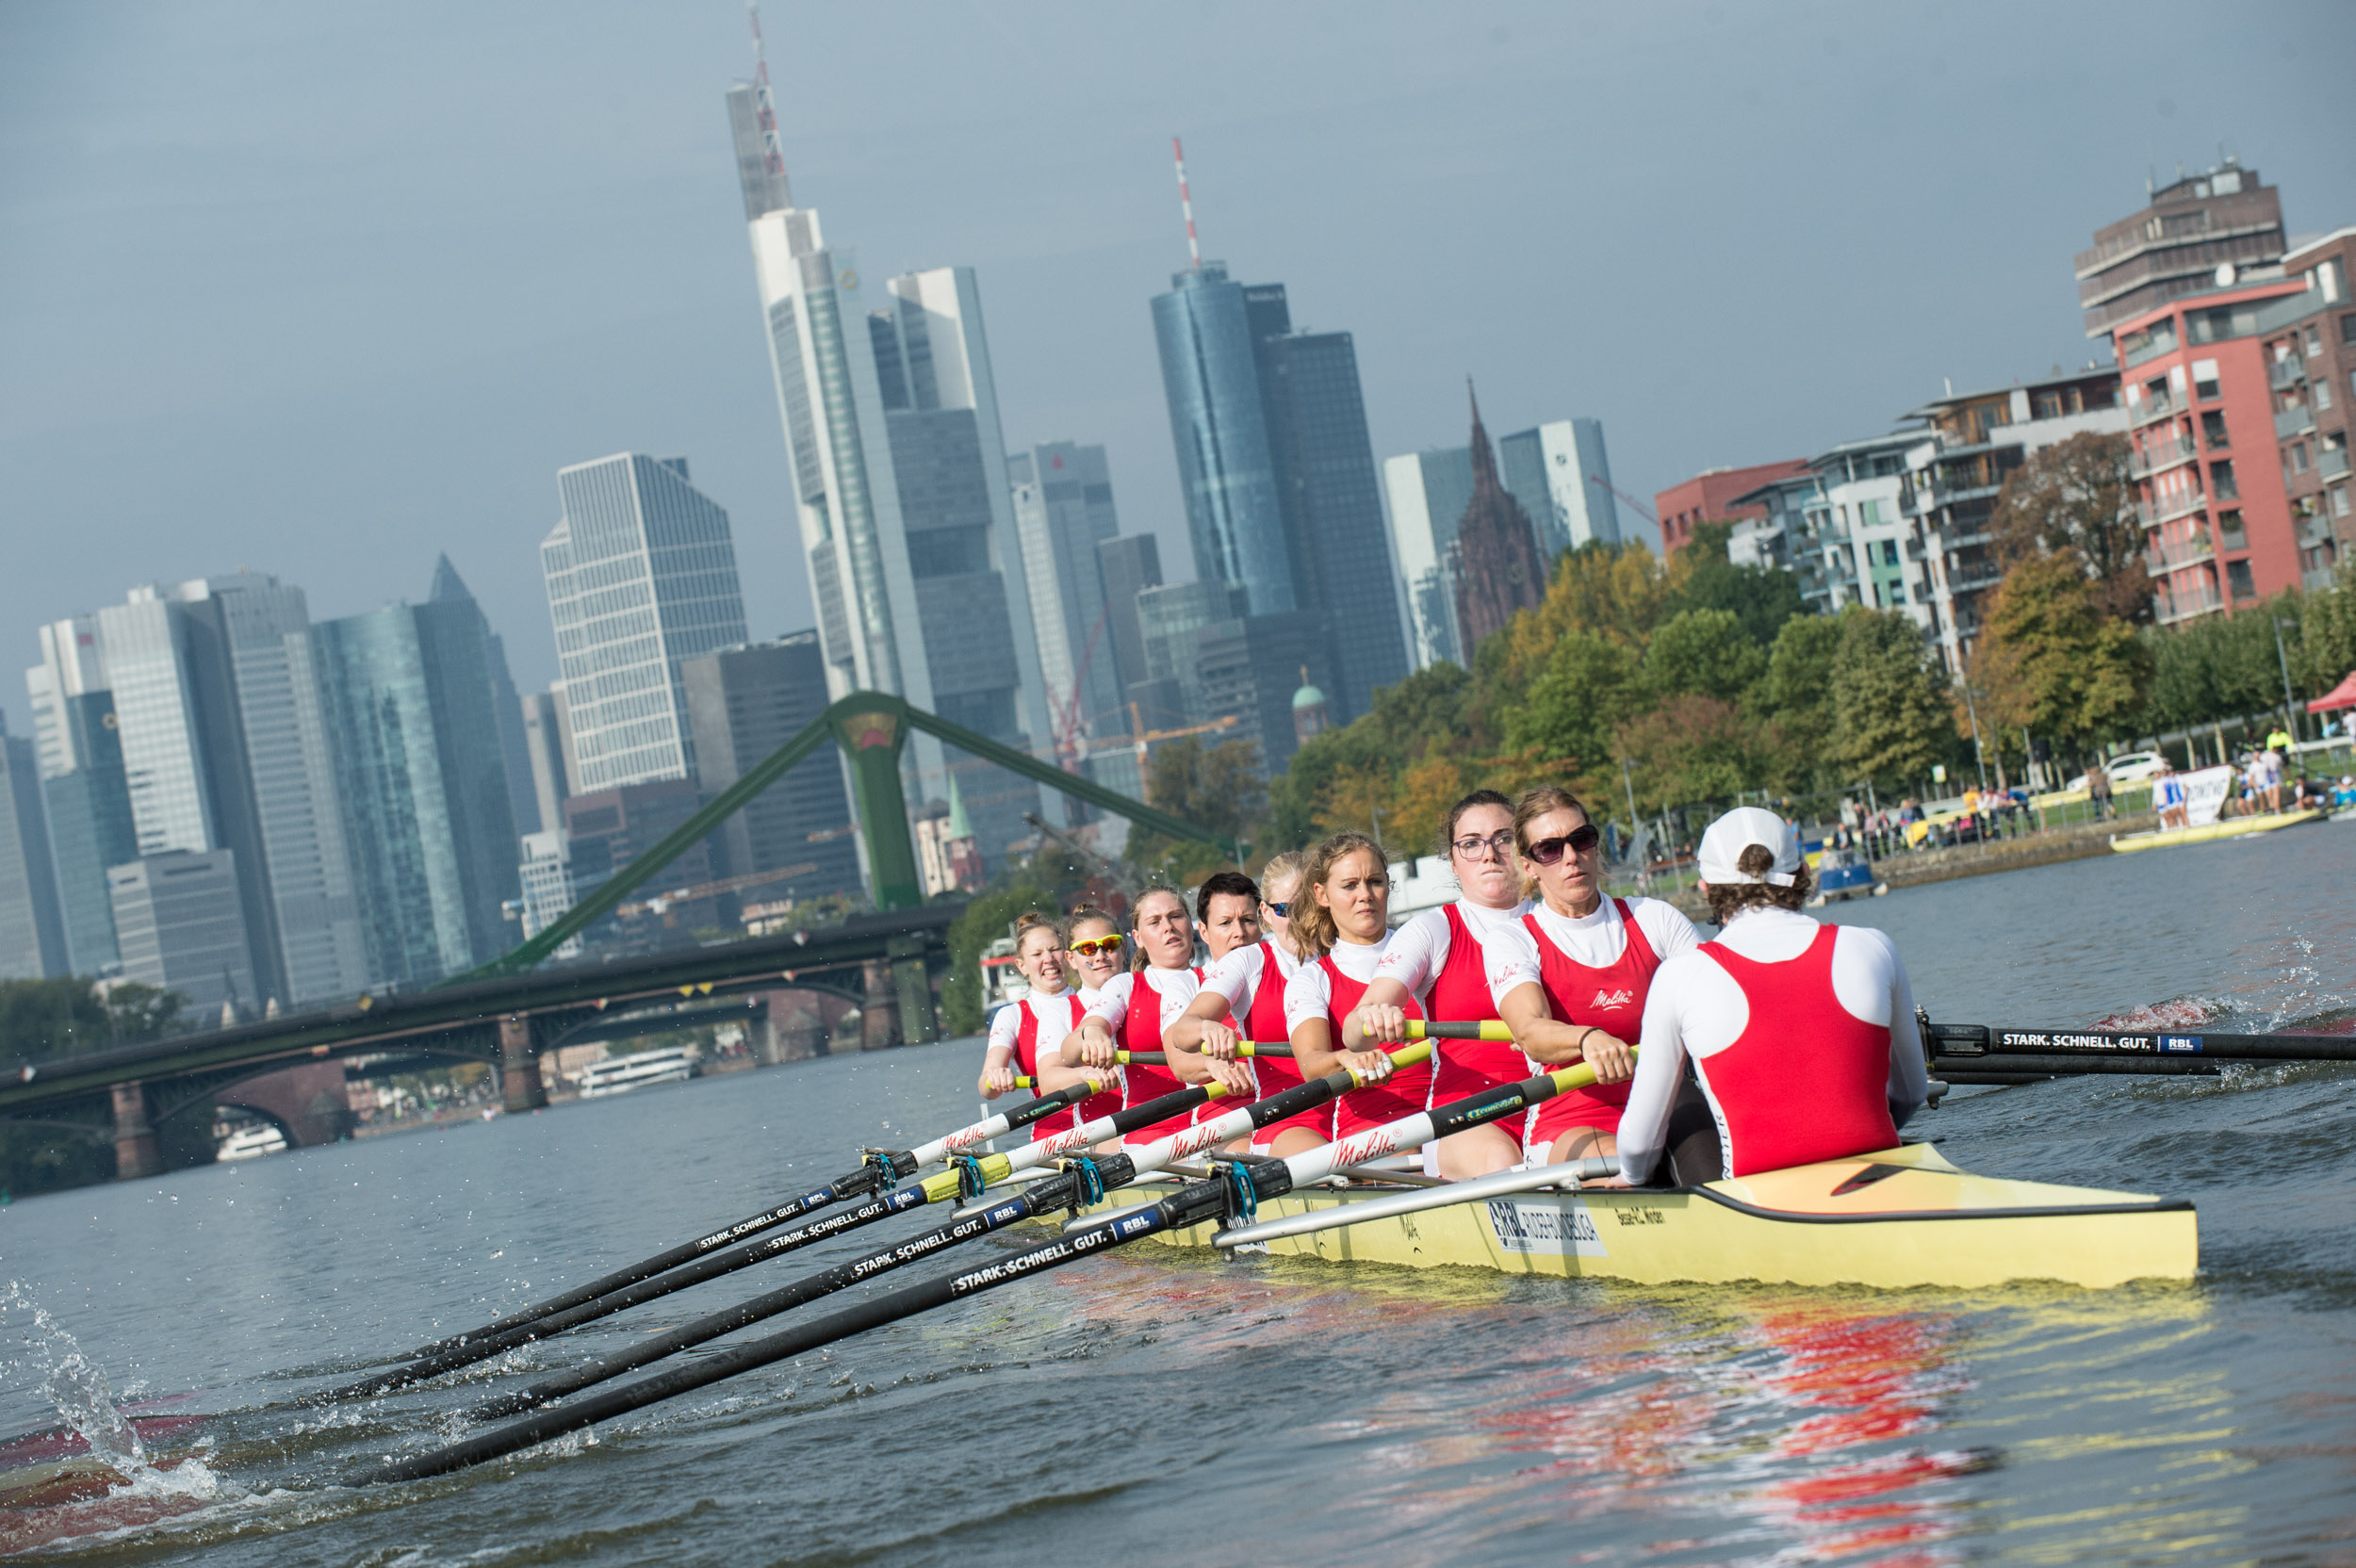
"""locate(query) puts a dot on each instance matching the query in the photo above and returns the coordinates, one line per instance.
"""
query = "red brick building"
(2311, 418)
(1709, 497)
(2225, 419)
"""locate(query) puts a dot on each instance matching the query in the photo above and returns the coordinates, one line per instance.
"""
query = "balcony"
(2298, 419)
(2314, 531)
(2167, 511)
(2142, 413)
(2175, 558)
(2195, 598)
(2286, 373)
(2331, 462)
(2163, 455)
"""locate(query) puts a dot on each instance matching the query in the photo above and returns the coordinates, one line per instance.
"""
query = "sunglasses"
(1095, 945)
(1279, 910)
(1579, 840)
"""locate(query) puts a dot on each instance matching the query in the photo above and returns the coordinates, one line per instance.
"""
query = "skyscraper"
(2226, 217)
(180, 917)
(1497, 570)
(1130, 564)
(744, 704)
(217, 710)
(515, 746)
(1560, 474)
(1211, 377)
(408, 707)
(907, 518)
(32, 935)
(1428, 492)
(79, 748)
(543, 753)
(1063, 511)
(641, 575)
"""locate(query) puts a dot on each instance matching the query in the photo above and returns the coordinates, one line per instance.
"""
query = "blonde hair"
(1536, 802)
(1087, 914)
(1280, 867)
(1314, 928)
(1136, 948)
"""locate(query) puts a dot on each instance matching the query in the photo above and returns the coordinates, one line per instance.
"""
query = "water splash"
(75, 1385)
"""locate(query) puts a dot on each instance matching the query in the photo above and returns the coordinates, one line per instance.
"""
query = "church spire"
(1498, 569)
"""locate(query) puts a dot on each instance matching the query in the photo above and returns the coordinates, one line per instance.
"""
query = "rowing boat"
(1895, 1220)
(2224, 827)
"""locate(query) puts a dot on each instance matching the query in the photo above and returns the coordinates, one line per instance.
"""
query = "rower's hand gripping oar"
(1081, 1183)
(1234, 1193)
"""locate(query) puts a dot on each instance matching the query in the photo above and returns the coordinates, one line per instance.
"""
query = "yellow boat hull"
(1897, 1219)
(2224, 827)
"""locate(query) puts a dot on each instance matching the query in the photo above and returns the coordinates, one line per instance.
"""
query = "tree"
(2075, 500)
(1591, 686)
(1890, 719)
(990, 916)
(1706, 653)
(1702, 577)
(1696, 748)
(41, 1019)
(1796, 692)
(1216, 787)
(2051, 663)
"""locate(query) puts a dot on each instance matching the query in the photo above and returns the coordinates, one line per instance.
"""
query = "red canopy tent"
(2341, 695)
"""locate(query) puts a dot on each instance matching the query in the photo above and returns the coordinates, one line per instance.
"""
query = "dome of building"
(1308, 697)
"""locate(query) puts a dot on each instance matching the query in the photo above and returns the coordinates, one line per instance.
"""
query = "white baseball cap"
(1738, 830)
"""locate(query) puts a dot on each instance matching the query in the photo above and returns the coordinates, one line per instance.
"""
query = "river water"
(1174, 1409)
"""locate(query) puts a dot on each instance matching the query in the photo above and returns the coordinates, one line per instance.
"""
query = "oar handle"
(1485, 1029)
(1245, 1048)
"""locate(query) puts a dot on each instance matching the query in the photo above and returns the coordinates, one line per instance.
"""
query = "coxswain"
(1050, 1011)
(1437, 960)
(1802, 1034)
(1134, 1006)
(1571, 977)
(1243, 999)
(1342, 923)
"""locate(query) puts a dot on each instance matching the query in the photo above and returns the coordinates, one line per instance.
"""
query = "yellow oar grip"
(1578, 1075)
(1490, 1029)
(943, 1187)
(1406, 1055)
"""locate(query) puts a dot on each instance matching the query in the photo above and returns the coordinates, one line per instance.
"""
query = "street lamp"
(2290, 704)
(1979, 752)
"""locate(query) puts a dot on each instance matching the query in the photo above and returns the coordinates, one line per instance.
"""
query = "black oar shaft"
(1959, 1069)
(1186, 1207)
(1984, 1042)
(851, 1184)
(1057, 1192)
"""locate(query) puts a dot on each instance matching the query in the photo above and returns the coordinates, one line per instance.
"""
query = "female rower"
(1050, 1012)
(1437, 958)
(1573, 978)
(1093, 952)
(1243, 999)
(1132, 1011)
(1342, 925)
(1802, 1034)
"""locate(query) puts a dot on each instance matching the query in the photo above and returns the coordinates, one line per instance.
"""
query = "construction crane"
(1641, 510)
(1065, 717)
(1142, 739)
(661, 903)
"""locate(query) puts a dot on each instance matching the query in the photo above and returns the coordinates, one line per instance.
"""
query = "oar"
(1418, 1029)
(1238, 1191)
(1961, 1052)
(697, 1262)
(1070, 1188)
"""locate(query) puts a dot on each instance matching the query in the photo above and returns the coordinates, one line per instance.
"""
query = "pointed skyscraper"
(1498, 570)
(514, 748)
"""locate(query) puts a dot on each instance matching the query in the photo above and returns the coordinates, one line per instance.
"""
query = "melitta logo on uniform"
(1613, 999)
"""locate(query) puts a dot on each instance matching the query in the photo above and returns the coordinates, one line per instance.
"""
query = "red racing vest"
(1142, 1030)
(1807, 1080)
(1405, 1093)
(1611, 999)
(1263, 1020)
(1027, 1037)
(1460, 994)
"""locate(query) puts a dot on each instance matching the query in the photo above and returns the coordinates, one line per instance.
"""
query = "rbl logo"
(1613, 999)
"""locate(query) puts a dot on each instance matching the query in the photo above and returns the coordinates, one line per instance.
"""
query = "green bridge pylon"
(872, 728)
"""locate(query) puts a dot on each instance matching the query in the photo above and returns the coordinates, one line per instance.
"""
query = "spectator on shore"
(2272, 766)
(2098, 792)
(2167, 797)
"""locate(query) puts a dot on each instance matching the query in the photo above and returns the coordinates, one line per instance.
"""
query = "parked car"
(2128, 767)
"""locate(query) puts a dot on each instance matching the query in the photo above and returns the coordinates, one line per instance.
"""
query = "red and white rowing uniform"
(1022, 1027)
(1330, 989)
(1440, 956)
(1596, 971)
(1802, 1036)
(1137, 1006)
(1252, 981)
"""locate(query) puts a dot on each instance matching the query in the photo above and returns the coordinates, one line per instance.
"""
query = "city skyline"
(184, 484)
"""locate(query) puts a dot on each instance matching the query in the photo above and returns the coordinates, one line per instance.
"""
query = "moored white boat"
(620, 1074)
(2224, 827)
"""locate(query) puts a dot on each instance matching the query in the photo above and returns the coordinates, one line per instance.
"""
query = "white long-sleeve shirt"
(1597, 940)
(1696, 1006)
(1058, 1014)
(1176, 988)
(1310, 993)
(1235, 979)
(1418, 950)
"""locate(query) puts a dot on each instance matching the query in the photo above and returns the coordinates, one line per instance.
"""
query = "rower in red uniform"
(1050, 1011)
(1436, 959)
(1802, 1034)
(1342, 924)
(1243, 999)
(1093, 954)
(1134, 1009)
(1572, 980)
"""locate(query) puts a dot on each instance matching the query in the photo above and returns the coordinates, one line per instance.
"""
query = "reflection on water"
(1173, 1406)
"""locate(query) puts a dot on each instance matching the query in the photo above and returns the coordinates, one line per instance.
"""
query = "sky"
(326, 290)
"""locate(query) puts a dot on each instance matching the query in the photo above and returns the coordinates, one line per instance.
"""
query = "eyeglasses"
(1095, 945)
(1494, 846)
(1275, 909)
(1579, 840)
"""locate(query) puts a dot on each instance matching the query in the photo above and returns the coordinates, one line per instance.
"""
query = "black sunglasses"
(1278, 909)
(1579, 840)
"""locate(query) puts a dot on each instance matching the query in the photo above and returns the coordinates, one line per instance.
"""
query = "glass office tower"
(1211, 377)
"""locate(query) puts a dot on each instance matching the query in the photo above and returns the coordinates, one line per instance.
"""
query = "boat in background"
(251, 1143)
(620, 1074)
(1842, 874)
(2201, 833)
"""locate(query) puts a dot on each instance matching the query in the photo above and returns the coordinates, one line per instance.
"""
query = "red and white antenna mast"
(773, 153)
(1186, 202)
